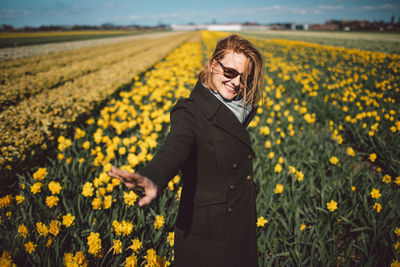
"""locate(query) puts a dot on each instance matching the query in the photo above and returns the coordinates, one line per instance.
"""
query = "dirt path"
(35, 50)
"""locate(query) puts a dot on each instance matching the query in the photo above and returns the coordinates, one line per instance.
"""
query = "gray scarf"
(235, 105)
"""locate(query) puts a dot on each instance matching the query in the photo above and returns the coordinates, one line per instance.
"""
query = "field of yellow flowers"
(326, 137)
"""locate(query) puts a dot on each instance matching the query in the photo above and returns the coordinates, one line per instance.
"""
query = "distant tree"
(6, 28)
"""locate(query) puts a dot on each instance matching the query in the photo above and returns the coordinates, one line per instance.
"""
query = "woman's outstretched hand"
(137, 182)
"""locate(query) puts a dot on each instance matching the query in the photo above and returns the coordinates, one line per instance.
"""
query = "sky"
(20, 13)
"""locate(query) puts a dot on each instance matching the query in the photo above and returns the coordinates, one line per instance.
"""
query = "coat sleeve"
(176, 148)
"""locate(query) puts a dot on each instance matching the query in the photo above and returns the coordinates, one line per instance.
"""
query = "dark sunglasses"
(229, 73)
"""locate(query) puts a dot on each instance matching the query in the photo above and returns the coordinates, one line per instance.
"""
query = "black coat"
(216, 223)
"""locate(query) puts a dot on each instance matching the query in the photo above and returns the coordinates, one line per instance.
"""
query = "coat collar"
(220, 114)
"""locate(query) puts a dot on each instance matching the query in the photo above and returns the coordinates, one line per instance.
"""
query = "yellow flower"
(332, 206)
(397, 232)
(353, 188)
(334, 160)
(261, 221)
(30, 247)
(170, 238)
(5, 201)
(395, 264)
(19, 199)
(136, 245)
(42, 229)
(130, 198)
(397, 246)
(124, 227)
(350, 152)
(159, 222)
(40, 174)
(96, 203)
(278, 189)
(68, 220)
(386, 178)
(278, 168)
(86, 145)
(52, 201)
(23, 230)
(375, 193)
(107, 202)
(372, 157)
(94, 243)
(6, 260)
(300, 176)
(35, 188)
(151, 258)
(268, 144)
(49, 241)
(54, 227)
(117, 248)
(397, 180)
(87, 189)
(271, 155)
(131, 261)
(377, 207)
(54, 187)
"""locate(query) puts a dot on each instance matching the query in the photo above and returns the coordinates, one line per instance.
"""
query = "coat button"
(230, 210)
(235, 165)
(248, 177)
(250, 156)
(232, 186)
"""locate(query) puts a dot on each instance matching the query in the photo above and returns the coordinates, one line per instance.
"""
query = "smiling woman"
(208, 142)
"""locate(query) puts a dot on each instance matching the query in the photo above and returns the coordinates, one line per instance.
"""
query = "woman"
(209, 144)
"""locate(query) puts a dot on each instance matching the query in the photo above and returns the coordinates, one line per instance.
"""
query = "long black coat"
(216, 223)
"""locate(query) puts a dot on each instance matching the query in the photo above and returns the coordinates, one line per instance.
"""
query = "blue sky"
(21, 13)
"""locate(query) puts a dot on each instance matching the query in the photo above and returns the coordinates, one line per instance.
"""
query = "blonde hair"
(253, 74)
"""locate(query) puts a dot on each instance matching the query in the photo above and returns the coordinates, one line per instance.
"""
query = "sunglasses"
(229, 73)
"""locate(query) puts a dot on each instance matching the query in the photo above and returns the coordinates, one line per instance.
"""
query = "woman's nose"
(236, 81)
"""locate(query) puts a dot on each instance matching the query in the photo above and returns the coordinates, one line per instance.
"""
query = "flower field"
(327, 165)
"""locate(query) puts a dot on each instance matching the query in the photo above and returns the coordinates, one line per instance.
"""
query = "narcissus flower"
(278, 189)
(372, 157)
(30, 247)
(23, 230)
(87, 189)
(136, 245)
(375, 193)
(261, 221)
(130, 198)
(117, 247)
(159, 222)
(68, 220)
(40, 174)
(94, 243)
(42, 229)
(377, 207)
(52, 201)
(332, 205)
(334, 160)
(35, 188)
(171, 238)
(54, 187)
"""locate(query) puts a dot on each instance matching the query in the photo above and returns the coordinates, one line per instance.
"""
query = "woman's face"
(228, 88)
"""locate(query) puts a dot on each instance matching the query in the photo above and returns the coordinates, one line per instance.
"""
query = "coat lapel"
(220, 114)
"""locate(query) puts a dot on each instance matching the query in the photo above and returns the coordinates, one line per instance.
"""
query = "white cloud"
(379, 7)
(9, 13)
(325, 7)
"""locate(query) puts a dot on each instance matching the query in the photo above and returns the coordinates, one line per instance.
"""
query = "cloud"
(9, 13)
(325, 7)
(379, 7)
